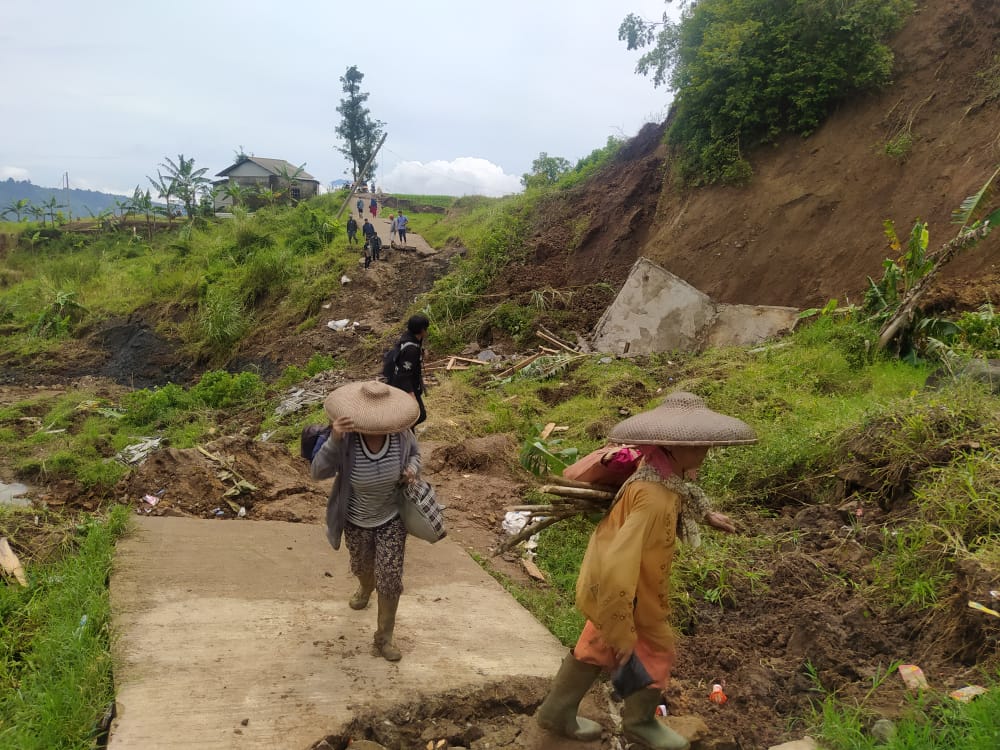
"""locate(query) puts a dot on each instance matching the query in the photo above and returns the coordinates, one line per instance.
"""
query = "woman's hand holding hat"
(341, 425)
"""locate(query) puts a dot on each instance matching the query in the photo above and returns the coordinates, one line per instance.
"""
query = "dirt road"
(238, 635)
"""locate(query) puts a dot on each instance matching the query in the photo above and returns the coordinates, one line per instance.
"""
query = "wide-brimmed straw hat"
(683, 419)
(376, 408)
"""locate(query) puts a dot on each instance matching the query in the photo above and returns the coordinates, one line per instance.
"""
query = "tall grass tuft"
(55, 664)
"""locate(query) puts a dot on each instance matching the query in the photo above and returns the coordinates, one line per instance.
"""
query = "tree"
(746, 71)
(144, 202)
(288, 178)
(237, 193)
(189, 183)
(164, 189)
(51, 206)
(38, 213)
(358, 131)
(545, 170)
(18, 207)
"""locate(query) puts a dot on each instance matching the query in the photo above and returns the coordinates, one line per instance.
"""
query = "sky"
(471, 92)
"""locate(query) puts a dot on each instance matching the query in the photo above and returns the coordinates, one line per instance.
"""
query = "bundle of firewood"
(566, 498)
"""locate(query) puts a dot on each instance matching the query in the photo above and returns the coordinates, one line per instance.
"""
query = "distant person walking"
(373, 207)
(409, 375)
(392, 228)
(352, 230)
(361, 208)
(401, 222)
(369, 233)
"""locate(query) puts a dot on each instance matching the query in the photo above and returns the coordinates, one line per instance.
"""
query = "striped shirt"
(373, 483)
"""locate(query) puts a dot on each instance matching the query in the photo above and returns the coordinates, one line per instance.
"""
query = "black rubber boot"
(639, 723)
(558, 712)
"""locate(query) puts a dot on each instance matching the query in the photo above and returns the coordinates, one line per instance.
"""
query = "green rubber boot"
(558, 711)
(384, 644)
(365, 588)
(640, 724)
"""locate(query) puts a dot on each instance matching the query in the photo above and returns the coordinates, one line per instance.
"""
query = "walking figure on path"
(352, 230)
(392, 228)
(408, 372)
(624, 584)
(373, 207)
(371, 451)
(401, 222)
(361, 208)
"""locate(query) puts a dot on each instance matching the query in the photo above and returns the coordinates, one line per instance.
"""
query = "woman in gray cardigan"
(371, 451)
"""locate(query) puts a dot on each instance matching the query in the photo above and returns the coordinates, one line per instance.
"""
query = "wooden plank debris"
(547, 431)
(532, 570)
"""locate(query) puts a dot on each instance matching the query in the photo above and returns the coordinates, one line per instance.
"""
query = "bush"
(746, 71)
(219, 389)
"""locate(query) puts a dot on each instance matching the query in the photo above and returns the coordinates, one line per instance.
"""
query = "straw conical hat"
(683, 419)
(376, 408)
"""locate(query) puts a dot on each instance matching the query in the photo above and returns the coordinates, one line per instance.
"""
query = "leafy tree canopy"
(545, 170)
(745, 71)
(357, 130)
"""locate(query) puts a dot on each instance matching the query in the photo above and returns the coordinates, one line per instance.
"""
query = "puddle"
(13, 494)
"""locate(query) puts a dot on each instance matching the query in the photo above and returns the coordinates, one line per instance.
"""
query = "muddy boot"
(386, 624)
(365, 587)
(640, 724)
(558, 711)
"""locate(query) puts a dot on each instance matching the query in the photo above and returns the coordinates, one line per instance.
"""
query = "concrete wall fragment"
(656, 311)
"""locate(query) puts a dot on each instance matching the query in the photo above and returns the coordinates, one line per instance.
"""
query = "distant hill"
(79, 200)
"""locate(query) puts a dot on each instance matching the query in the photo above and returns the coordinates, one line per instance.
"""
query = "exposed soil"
(808, 227)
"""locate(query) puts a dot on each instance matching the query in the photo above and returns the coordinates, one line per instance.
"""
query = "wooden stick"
(557, 342)
(563, 481)
(576, 492)
(547, 431)
(528, 531)
(551, 335)
(519, 366)
(451, 363)
(466, 359)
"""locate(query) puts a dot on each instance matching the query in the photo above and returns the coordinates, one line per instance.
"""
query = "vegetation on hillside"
(746, 71)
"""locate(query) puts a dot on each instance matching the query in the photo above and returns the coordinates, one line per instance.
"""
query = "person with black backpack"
(402, 366)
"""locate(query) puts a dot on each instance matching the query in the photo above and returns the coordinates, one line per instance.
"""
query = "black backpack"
(311, 435)
(390, 361)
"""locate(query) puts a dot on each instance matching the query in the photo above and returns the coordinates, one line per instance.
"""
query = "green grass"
(55, 665)
(441, 201)
(929, 721)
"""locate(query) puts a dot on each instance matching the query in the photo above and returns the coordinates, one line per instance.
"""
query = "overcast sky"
(470, 92)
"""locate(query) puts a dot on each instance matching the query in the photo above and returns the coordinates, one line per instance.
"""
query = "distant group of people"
(372, 247)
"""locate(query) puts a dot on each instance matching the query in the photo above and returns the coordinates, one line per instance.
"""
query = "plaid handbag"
(421, 513)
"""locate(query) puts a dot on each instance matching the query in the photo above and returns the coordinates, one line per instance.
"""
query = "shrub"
(746, 71)
(219, 389)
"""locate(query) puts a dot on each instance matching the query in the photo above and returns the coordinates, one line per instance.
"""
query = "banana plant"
(17, 208)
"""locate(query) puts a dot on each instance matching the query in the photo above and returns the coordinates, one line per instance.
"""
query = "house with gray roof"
(256, 173)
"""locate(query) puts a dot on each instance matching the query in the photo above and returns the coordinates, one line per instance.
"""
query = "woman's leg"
(390, 546)
(361, 546)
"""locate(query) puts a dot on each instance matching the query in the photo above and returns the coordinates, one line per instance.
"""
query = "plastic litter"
(514, 521)
(150, 499)
(982, 608)
(661, 710)
(10, 564)
(967, 693)
(913, 676)
(137, 452)
(338, 325)
(218, 512)
(345, 279)
(79, 628)
(242, 512)
(717, 695)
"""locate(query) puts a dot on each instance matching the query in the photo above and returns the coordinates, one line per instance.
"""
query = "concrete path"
(236, 634)
(381, 224)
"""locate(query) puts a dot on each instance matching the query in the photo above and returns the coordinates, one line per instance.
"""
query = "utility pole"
(69, 211)
(364, 170)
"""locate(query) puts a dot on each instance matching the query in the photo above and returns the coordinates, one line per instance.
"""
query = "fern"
(976, 203)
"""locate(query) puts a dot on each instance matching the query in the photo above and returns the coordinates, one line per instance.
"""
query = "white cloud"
(18, 173)
(466, 175)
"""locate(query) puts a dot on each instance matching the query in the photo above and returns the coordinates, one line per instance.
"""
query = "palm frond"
(974, 203)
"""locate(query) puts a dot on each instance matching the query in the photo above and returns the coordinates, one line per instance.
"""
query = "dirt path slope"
(238, 635)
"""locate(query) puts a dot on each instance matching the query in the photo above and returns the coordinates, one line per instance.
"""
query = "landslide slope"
(808, 225)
